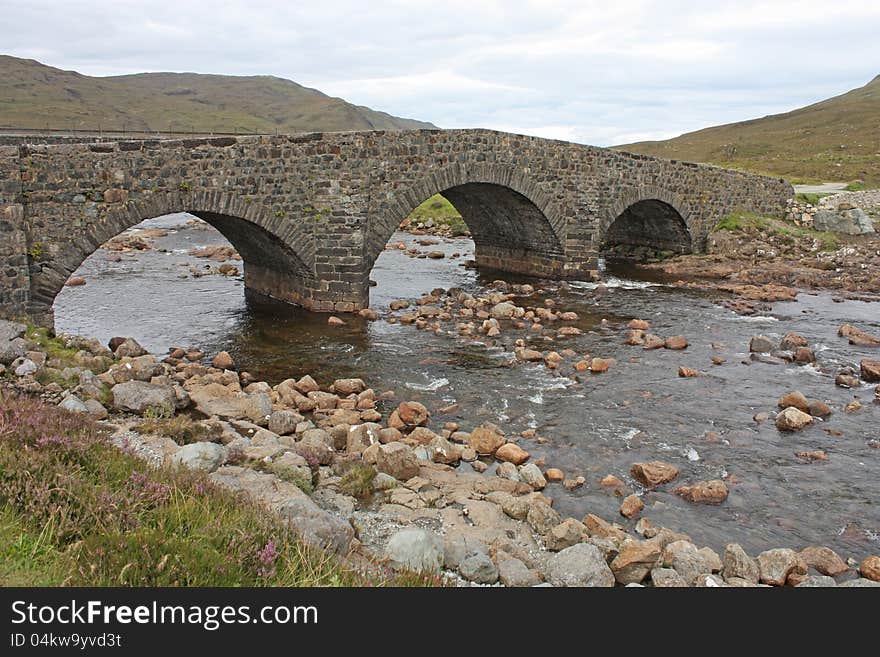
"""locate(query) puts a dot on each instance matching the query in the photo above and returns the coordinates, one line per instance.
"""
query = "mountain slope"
(836, 140)
(33, 95)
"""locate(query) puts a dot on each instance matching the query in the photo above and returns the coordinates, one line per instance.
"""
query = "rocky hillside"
(33, 95)
(836, 140)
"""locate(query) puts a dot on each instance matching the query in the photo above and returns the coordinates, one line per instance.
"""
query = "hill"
(33, 95)
(833, 140)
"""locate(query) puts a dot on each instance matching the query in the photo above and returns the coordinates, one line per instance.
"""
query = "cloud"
(584, 70)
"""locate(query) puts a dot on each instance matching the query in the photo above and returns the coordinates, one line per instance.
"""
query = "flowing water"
(640, 410)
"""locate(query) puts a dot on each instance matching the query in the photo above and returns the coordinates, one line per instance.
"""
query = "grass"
(831, 140)
(358, 481)
(811, 198)
(855, 187)
(749, 223)
(442, 212)
(75, 510)
(182, 429)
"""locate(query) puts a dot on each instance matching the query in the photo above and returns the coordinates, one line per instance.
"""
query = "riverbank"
(375, 478)
(760, 260)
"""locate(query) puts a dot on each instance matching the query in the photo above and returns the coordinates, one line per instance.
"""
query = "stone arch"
(275, 254)
(651, 217)
(515, 224)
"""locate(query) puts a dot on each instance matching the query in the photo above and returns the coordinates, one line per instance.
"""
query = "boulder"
(580, 565)
(348, 386)
(478, 567)
(631, 506)
(791, 341)
(825, 560)
(567, 533)
(223, 361)
(531, 474)
(128, 347)
(415, 549)
(761, 344)
(796, 399)
(397, 460)
(653, 473)
(513, 572)
(140, 396)
(870, 568)
(73, 404)
(667, 578)
(485, 440)
(870, 370)
(852, 221)
(284, 422)
(203, 456)
(778, 564)
(512, 453)
(317, 527)
(737, 563)
(676, 342)
(791, 419)
(704, 492)
(215, 399)
(634, 561)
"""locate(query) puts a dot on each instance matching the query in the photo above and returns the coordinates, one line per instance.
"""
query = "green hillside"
(36, 96)
(834, 140)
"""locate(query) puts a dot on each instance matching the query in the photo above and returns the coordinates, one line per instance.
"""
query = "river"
(639, 410)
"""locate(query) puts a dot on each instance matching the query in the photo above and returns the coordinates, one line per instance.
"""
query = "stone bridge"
(310, 214)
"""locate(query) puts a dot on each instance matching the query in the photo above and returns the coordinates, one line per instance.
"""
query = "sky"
(603, 73)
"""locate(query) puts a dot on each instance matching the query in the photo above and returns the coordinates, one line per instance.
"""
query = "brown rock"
(639, 324)
(653, 341)
(529, 355)
(704, 492)
(687, 372)
(413, 414)
(858, 337)
(512, 453)
(635, 561)
(845, 380)
(777, 565)
(819, 408)
(581, 366)
(676, 342)
(596, 526)
(634, 337)
(791, 341)
(825, 560)
(223, 361)
(485, 440)
(816, 455)
(610, 481)
(796, 399)
(870, 370)
(567, 533)
(334, 321)
(599, 365)
(76, 281)
(554, 474)
(870, 568)
(653, 473)
(852, 407)
(791, 419)
(804, 355)
(631, 506)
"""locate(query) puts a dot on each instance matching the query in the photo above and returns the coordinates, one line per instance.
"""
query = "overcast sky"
(603, 73)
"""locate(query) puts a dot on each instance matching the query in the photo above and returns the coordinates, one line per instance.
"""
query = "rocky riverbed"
(707, 410)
